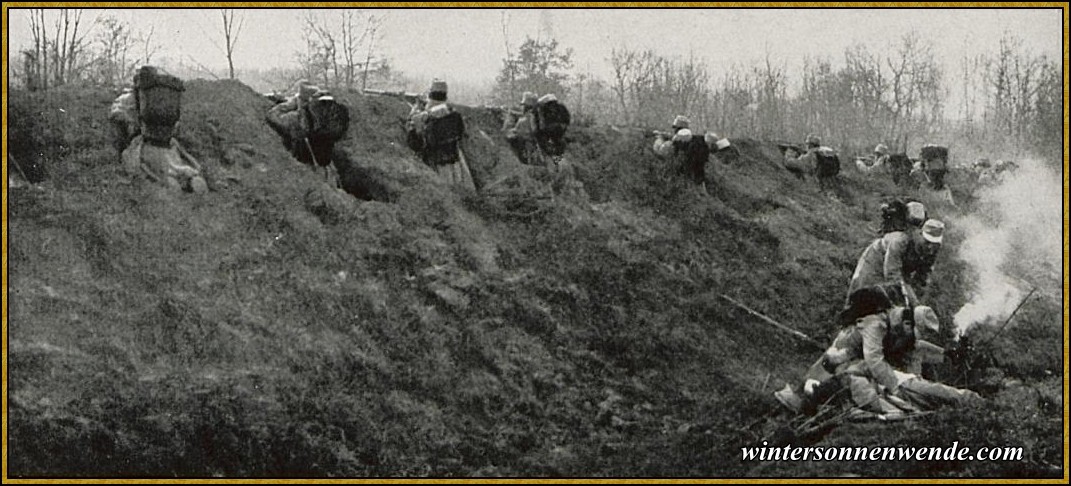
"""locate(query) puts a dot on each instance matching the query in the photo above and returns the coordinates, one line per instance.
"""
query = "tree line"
(1009, 101)
(339, 51)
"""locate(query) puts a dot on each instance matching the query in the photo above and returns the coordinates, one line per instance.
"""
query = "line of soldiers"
(930, 168)
(886, 334)
(144, 120)
(988, 173)
(435, 131)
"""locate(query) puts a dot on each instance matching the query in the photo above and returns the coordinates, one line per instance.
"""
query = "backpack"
(159, 101)
(870, 300)
(900, 338)
(693, 156)
(827, 163)
(552, 119)
(442, 136)
(893, 216)
(327, 120)
(935, 157)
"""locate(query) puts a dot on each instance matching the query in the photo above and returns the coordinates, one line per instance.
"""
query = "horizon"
(720, 38)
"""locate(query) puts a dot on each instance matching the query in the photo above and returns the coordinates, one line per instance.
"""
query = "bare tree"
(650, 89)
(770, 90)
(509, 56)
(374, 24)
(351, 41)
(232, 28)
(336, 53)
(57, 59)
(38, 62)
(113, 42)
(358, 30)
(322, 49)
(915, 84)
(148, 47)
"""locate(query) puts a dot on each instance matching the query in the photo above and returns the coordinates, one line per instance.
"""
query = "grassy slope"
(275, 328)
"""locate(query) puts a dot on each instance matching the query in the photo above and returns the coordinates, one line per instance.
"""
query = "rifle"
(412, 99)
(275, 97)
(773, 323)
(644, 131)
(783, 146)
(501, 111)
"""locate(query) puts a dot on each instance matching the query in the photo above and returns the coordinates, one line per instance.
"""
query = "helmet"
(529, 99)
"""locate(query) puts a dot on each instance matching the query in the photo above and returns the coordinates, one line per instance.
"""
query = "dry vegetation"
(277, 328)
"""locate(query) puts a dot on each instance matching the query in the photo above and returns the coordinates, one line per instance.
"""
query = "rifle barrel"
(986, 343)
(772, 322)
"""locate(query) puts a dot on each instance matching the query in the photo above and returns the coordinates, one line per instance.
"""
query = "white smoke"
(1019, 222)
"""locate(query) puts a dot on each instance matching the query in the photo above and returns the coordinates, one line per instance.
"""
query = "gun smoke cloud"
(1016, 230)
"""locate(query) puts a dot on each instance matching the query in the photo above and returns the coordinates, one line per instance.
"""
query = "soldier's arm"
(416, 121)
(873, 330)
(291, 104)
(415, 131)
(509, 123)
(186, 155)
(895, 247)
(663, 147)
(518, 126)
(929, 352)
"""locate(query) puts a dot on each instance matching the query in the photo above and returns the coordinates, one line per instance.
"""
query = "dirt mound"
(278, 327)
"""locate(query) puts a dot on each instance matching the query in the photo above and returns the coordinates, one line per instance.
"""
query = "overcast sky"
(468, 44)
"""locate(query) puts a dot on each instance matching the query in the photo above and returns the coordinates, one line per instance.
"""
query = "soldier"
(874, 163)
(537, 133)
(934, 163)
(551, 120)
(435, 131)
(154, 150)
(310, 122)
(689, 151)
(816, 159)
(900, 167)
(520, 131)
(826, 162)
(286, 117)
(900, 256)
(879, 358)
(124, 119)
